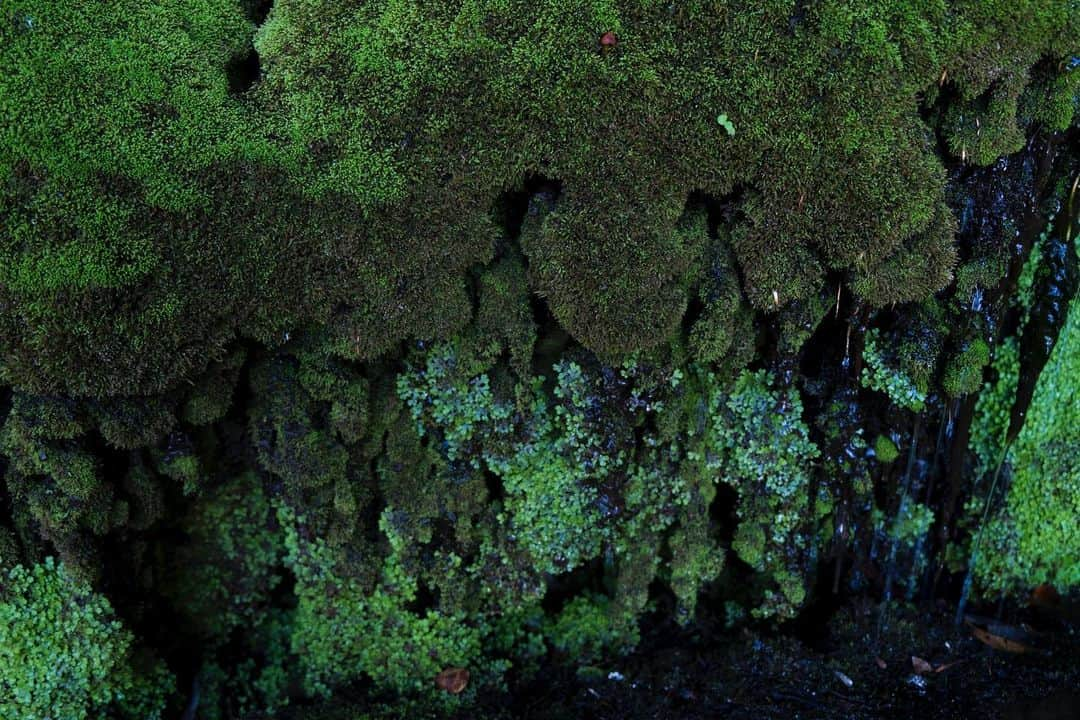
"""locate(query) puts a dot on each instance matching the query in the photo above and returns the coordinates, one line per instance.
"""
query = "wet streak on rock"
(1055, 287)
(1002, 206)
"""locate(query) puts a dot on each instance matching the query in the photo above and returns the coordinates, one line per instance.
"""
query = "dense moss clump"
(224, 583)
(351, 180)
(347, 347)
(753, 438)
(64, 654)
(1032, 536)
(904, 388)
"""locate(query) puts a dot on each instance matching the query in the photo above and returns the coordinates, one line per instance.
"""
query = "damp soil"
(852, 667)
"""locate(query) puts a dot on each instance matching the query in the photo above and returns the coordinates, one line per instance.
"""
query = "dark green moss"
(470, 334)
(353, 183)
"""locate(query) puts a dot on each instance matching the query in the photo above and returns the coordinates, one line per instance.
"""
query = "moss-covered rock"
(66, 655)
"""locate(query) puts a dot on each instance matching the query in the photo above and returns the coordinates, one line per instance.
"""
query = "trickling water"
(1055, 286)
(973, 559)
(890, 566)
(1001, 209)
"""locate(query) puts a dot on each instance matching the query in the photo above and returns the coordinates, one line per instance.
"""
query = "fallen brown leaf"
(920, 666)
(998, 642)
(452, 680)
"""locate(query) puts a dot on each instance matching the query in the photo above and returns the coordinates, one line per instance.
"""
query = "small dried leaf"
(999, 636)
(452, 680)
(920, 666)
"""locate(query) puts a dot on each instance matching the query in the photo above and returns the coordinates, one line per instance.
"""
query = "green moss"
(993, 409)
(179, 460)
(46, 616)
(341, 231)
(885, 449)
(290, 444)
(979, 274)
(964, 371)
(213, 394)
(725, 327)
(337, 618)
(879, 375)
(1032, 538)
(55, 477)
(752, 438)
(352, 184)
(616, 301)
(912, 523)
(130, 423)
(585, 629)
(223, 581)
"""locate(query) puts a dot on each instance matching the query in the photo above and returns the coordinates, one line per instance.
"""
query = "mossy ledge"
(371, 359)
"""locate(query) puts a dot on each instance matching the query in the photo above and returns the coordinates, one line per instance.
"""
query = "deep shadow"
(243, 71)
(257, 10)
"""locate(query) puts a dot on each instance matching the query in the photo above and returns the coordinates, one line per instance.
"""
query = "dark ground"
(851, 670)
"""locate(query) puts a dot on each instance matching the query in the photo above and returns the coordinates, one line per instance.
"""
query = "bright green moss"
(584, 630)
(343, 629)
(552, 477)
(351, 184)
(885, 449)
(983, 129)
(1053, 98)
(63, 653)
(979, 274)
(127, 90)
(550, 473)
(993, 408)
(752, 438)
(348, 218)
(1033, 538)
(459, 405)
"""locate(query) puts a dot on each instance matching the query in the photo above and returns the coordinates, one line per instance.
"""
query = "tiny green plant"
(723, 121)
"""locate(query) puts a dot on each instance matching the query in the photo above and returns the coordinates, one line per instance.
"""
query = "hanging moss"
(365, 341)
